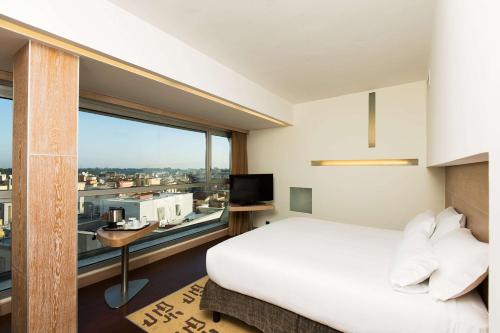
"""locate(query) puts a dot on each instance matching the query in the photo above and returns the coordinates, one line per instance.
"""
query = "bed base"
(262, 315)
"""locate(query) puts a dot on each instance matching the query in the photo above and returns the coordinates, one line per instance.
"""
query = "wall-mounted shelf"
(250, 208)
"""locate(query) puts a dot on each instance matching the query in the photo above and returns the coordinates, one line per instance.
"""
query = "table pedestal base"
(119, 295)
(116, 299)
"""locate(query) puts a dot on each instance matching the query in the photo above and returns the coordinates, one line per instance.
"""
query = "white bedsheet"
(335, 274)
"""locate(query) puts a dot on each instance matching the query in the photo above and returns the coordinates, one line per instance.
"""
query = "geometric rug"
(180, 312)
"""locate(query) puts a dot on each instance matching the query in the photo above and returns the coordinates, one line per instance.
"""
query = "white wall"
(102, 26)
(463, 92)
(464, 104)
(337, 128)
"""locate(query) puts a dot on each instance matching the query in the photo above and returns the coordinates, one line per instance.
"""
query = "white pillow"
(423, 222)
(447, 221)
(414, 261)
(463, 264)
(421, 288)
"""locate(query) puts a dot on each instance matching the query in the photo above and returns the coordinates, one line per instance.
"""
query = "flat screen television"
(250, 189)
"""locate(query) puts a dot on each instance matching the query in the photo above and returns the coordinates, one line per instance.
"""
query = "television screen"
(250, 189)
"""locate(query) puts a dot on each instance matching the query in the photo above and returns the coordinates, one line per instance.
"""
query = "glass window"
(5, 144)
(5, 185)
(125, 153)
(151, 170)
(221, 148)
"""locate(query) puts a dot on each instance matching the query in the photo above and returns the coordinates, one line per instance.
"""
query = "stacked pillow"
(439, 249)
(463, 264)
(447, 221)
(415, 259)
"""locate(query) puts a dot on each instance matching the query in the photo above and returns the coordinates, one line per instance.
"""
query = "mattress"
(335, 274)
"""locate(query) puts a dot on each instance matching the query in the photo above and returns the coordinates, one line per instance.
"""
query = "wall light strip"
(379, 162)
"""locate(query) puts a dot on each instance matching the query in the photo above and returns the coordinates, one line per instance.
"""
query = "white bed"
(335, 274)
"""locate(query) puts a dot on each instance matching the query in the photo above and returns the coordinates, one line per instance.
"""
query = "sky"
(109, 142)
(5, 133)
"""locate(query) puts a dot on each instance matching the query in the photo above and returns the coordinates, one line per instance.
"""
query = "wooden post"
(44, 198)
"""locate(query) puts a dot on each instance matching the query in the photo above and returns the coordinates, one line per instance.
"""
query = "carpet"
(180, 313)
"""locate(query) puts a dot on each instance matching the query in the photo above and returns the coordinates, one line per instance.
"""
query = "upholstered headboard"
(467, 191)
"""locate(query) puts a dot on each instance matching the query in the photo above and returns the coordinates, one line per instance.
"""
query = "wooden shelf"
(250, 208)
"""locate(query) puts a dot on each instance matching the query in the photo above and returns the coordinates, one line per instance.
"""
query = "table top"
(250, 208)
(122, 238)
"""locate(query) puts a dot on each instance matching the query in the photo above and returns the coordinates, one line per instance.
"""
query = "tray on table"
(126, 227)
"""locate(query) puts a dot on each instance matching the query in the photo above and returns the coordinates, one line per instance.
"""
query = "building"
(169, 207)
(5, 213)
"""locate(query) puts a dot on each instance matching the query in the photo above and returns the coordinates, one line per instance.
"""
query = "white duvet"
(335, 274)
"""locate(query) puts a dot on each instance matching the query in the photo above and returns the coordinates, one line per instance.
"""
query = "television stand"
(251, 209)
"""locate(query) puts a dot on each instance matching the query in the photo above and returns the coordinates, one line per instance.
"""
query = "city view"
(177, 198)
(160, 175)
(171, 201)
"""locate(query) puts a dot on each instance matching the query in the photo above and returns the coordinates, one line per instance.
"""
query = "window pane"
(150, 170)
(5, 184)
(5, 144)
(130, 153)
(221, 149)
(203, 218)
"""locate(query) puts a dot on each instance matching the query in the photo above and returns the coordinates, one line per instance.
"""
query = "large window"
(152, 170)
(174, 173)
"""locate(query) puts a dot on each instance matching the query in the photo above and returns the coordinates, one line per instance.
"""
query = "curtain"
(239, 222)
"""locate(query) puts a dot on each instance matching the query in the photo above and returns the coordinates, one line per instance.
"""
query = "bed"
(311, 275)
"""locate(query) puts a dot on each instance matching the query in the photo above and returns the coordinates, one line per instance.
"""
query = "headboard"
(467, 190)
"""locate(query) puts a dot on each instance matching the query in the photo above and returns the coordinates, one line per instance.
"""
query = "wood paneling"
(44, 256)
(53, 89)
(467, 189)
(19, 192)
(250, 208)
(5, 76)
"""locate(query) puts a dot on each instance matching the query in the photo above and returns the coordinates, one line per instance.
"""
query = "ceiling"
(303, 50)
(103, 79)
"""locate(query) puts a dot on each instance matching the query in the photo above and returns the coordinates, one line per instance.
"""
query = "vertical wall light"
(371, 120)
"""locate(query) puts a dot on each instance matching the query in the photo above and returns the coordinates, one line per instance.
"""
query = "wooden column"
(44, 231)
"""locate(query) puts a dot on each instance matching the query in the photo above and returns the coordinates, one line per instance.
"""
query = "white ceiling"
(107, 80)
(303, 50)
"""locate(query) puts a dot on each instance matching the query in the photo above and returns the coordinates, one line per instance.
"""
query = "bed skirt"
(266, 317)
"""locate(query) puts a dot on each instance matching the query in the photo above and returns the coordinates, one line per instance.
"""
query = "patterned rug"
(180, 313)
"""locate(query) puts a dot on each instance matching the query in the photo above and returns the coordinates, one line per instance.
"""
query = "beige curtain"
(239, 222)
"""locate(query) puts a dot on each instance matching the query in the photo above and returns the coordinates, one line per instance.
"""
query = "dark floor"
(165, 277)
